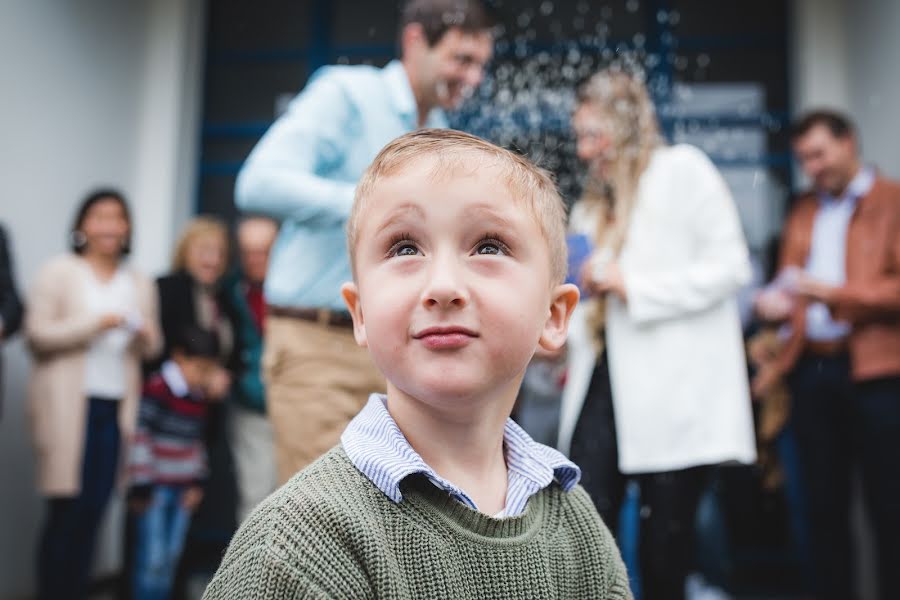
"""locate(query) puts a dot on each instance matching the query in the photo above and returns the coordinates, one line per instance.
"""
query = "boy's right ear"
(350, 293)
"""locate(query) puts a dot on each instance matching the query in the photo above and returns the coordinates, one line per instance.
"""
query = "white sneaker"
(697, 588)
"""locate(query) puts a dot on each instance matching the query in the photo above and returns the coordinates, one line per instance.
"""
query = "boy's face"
(453, 293)
(195, 369)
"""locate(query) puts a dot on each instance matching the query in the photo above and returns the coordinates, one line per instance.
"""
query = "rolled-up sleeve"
(286, 174)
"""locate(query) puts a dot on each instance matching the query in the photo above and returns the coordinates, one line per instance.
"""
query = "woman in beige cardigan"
(90, 321)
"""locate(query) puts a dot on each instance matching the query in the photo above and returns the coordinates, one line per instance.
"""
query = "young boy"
(458, 253)
(168, 460)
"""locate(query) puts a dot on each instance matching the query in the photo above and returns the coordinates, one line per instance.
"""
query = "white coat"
(676, 356)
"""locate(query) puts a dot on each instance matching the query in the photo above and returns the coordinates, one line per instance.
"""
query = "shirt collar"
(400, 89)
(859, 186)
(381, 452)
(174, 378)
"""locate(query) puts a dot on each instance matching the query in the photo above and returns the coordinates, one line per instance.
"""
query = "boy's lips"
(445, 338)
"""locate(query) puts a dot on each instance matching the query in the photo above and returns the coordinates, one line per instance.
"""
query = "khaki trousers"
(254, 458)
(316, 379)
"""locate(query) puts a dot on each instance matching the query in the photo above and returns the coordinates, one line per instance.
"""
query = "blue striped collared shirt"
(378, 448)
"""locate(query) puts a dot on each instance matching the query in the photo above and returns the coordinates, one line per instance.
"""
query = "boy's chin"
(444, 392)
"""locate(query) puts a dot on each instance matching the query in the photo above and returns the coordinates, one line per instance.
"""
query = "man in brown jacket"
(838, 291)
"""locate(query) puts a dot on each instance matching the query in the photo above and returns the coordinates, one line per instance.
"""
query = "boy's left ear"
(350, 293)
(556, 328)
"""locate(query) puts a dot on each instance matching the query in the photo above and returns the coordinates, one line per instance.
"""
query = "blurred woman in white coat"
(657, 385)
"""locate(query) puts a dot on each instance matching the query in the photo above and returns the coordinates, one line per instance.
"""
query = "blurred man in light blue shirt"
(304, 172)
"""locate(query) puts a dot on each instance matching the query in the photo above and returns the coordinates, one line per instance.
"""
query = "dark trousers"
(66, 551)
(668, 499)
(840, 425)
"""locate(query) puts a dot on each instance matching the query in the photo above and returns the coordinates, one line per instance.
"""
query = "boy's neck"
(463, 445)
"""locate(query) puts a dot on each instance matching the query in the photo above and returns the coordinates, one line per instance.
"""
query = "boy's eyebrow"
(401, 213)
(486, 210)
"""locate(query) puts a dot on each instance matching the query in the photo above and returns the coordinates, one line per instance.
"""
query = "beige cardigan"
(59, 328)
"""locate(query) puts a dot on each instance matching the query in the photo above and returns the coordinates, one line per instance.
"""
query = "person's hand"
(139, 502)
(143, 332)
(192, 497)
(612, 281)
(766, 378)
(111, 321)
(815, 289)
(218, 384)
(773, 305)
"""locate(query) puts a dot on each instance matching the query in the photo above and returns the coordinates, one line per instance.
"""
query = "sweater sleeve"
(258, 572)
(46, 330)
(617, 585)
(285, 174)
(290, 547)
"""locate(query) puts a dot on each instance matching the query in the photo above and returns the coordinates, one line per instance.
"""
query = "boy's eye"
(491, 246)
(403, 247)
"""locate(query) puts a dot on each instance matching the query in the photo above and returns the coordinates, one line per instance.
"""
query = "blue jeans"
(66, 549)
(160, 532)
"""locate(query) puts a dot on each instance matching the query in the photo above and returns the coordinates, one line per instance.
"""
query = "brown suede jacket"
(870, 298)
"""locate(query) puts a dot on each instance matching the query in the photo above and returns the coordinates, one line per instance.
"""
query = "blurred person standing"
(251, 433)
(168, 460)
(10, 304)
(91, 319)
(303, 172)
(838, 291)
(658, 387)
(193, 296)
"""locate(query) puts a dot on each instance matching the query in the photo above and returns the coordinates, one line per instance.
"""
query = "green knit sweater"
(330, 533)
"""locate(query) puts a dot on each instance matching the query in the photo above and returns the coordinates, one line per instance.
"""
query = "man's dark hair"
(837, 123)
(437, 17)
(77, 242)
(196, 342)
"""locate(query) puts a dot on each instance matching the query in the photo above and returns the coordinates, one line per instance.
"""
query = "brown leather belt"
(827, 349)
(322, 316)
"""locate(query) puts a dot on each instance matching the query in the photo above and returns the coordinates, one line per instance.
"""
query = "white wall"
(844, 56)
(95, 92)
(874, 60)
(819, 58)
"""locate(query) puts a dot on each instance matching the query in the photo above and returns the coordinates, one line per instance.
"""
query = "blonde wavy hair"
(623, 103)
(197, 228)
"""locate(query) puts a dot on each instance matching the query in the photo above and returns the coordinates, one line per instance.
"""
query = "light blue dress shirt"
(827, 260)
(381, 452)
(305, 168)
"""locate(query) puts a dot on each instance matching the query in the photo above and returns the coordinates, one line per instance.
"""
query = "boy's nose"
(445, 287)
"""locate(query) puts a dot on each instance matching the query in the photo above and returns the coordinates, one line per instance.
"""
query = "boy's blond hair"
(454, 150)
